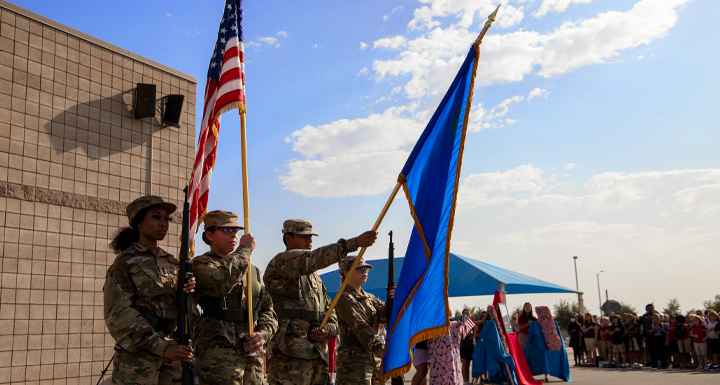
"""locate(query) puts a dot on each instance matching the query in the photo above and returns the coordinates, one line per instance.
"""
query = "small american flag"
(225, 90)
(467, 327)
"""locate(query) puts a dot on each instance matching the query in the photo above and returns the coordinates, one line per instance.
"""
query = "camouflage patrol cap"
(297, 226)
(147, 201)
(346, 263)
(220, 218)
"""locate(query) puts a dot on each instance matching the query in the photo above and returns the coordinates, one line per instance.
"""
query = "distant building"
(72, 155)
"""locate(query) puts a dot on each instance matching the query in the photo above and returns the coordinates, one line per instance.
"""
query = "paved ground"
(605, 376)
(597, 376)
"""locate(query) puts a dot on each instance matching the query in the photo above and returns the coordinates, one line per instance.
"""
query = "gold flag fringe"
(433, 332)
(418, 226)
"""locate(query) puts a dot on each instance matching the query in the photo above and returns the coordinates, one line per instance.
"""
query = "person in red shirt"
(606, 348)
(524, 324)
(699, 336)
(671, 341)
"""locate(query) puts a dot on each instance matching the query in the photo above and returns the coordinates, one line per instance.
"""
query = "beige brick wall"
(71, 157)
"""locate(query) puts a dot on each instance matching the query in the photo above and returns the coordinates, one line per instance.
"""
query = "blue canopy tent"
(470, 277)
(467, 277)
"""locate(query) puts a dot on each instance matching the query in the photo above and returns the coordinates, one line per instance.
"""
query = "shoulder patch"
(134, 260)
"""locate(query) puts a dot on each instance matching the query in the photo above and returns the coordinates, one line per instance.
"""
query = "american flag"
(467, 327)
(225, 90)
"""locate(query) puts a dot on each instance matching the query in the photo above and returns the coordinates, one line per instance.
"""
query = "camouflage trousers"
(143, 368)
(284, 370)
(357, 373)
(218, 362)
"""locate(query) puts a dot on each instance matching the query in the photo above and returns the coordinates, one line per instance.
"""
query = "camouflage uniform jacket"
(359, 315)
(219, 276)
(140, 280)
(283, 274)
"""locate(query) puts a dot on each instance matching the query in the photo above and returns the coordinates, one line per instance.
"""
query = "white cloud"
(432, 59)
(382, 140)
(482, 119)
(351, 157)
(315, 46)
(556, 6)
(264, 41)
(570, 166)
(569, 234)
(702, 199)
(269, 41)
(363, 71)
(168, 15)
(537, 92)
(465, 11)
(499, 187)
(641, 57)
(282, 33)
(690, 191)
(394, 42)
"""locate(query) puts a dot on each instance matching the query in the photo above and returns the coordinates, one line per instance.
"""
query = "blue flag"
(430, 181)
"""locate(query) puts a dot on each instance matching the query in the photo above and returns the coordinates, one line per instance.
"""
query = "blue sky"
(593, 129)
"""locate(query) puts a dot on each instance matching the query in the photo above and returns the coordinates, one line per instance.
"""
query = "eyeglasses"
(363, 269)
(228, 230)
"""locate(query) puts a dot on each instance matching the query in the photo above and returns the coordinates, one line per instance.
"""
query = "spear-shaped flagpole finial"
(491, 18)
(493, 15)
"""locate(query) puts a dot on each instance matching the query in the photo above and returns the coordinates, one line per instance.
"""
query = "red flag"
(225, 90)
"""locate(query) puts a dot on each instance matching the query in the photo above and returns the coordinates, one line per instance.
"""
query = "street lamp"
(577, 287)
(599, 297)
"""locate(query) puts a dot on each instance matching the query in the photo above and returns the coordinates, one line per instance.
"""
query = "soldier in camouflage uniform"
(139, 299)
(298, 351)
(359, 316)
(221, 293)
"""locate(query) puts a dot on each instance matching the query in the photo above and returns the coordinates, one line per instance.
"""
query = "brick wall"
(71, 157)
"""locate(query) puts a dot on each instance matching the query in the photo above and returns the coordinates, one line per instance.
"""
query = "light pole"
(581, 306)
(599, 297)
(577, 287)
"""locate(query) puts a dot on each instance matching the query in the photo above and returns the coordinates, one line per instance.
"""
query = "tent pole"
(503, 293)
(510, 377)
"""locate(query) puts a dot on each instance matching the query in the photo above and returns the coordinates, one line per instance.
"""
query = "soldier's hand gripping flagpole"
(184, 331)
(360, 255)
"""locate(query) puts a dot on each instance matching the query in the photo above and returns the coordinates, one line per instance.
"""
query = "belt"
(227, 315)
(309, 315)
(349, 340)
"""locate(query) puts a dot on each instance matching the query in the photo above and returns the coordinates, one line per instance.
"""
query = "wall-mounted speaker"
(172, 110)
(144, 101)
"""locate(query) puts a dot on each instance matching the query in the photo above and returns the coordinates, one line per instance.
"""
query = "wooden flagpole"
(246, 213)
(360, 254)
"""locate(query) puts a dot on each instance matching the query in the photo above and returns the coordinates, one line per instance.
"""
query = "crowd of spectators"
(650, 340)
